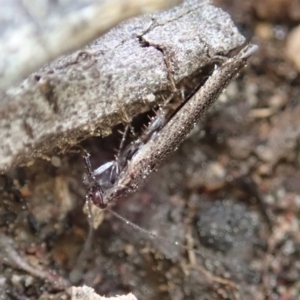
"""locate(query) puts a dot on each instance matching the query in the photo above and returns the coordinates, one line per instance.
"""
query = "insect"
(134, 163)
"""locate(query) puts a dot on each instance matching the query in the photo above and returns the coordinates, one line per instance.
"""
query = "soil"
(231, 192)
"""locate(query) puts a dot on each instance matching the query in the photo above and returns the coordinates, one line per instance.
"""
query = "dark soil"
(232, 190)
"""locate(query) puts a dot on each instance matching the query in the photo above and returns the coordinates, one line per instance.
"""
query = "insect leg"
(125, 133)
(103, 168)
(88, 165)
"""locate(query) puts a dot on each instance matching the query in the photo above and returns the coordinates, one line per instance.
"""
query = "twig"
(212, 278)
(12, 257)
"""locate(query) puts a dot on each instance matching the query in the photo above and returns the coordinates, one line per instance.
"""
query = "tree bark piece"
(52, 28)
(87, 293)
(91, 90)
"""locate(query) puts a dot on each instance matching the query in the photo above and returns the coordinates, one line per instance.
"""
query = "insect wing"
(103, 168)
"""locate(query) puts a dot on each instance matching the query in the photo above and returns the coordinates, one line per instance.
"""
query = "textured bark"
(53, 28)
(87, 293)
(88, 92)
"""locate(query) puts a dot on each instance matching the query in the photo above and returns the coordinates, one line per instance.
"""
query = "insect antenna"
(77, 271)
(191, 252)
(154, 235)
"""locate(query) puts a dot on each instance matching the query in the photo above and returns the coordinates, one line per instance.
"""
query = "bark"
(120, 74)
(53, 28)
(87, 293)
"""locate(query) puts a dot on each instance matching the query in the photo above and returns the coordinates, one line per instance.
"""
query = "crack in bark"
(89, 90)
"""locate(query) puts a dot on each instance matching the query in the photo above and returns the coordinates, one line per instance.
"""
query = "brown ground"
(232, 189)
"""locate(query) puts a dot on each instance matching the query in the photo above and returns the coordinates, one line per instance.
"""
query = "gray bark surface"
(120, 74)
(33, 33)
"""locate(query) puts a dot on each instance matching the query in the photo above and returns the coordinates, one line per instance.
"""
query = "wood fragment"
(87, 293)
(88, 92)
(53, 29)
